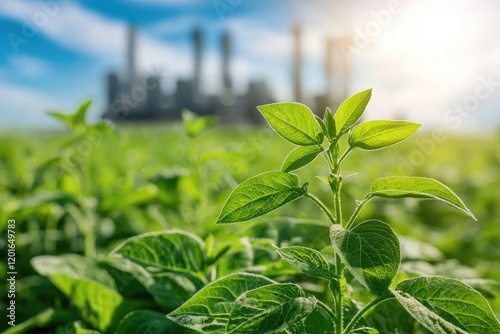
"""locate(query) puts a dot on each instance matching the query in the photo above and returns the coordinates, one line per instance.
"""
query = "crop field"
(115, 228)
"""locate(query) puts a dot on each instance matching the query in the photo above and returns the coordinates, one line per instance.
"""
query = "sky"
(434, 62)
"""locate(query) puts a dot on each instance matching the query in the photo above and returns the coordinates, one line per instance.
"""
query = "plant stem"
(328, 310)
(344, 155)
(339, 267)
(51, 233)
(339, 300)
(365, 309)
(356, 212)
(85, 222)
(338, 207)
(322, 206)
(328, 158)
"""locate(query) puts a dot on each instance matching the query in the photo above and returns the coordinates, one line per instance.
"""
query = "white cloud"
(25, 107)
(70, 26)
(260, 53)
(86, 32)
(27, 66)
(256, 40)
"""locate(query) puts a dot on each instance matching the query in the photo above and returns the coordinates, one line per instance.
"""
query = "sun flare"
(431, 39)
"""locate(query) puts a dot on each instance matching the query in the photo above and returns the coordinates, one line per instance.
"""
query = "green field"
(87, 193)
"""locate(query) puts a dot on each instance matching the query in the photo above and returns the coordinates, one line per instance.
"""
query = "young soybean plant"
(369, 250)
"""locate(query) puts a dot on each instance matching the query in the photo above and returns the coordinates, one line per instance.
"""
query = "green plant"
(367, 254)
(179, 273)
(72, 167)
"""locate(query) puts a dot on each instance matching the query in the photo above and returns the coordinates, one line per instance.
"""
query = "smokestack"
(329, 71)
(113, 88)
(198, 41)
(297, 64)
(347, 74)
(131, 54)
(226, 52)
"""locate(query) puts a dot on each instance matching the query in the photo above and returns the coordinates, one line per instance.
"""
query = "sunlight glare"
(431, 38)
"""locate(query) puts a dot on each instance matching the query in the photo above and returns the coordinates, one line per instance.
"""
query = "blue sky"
(432, 62)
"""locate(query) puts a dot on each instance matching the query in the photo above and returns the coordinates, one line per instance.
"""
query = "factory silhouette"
(138, 98)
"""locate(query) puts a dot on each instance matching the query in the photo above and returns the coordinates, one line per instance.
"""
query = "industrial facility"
(128, 102)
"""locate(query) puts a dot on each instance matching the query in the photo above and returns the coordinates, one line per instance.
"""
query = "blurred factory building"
(128, 100)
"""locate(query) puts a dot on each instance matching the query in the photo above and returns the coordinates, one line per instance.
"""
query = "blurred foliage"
(87, 191)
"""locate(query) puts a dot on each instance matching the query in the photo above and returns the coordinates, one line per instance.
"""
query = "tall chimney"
(226, 52)
(198, 41)
(329, 71)
(113, 88)
(297, 64)
(347, 74)
(131, 55)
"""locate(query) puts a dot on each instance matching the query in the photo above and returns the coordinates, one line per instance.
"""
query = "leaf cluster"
(367, 255)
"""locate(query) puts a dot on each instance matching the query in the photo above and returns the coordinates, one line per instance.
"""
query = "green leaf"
(373, 135)
(308, 260)
(45, 318)
(210, 308)
(300, 157)
(321, 124)
(70, 183)
(293, 121)
(259, 195)
(43, 169)
(417, 187)
(291, 231)
(318, 321)
(218, 253)
(270, 309)
(370, 251)
(145, 322)
(124, 200)
(169, 290)
(194, 124)
(391, 317)
(256, 256)
(72, 265)
(351, 110)
(445, 305)
(38, 200)
(365, 330)
(79, 116)
(330, 124)
(99, 305)
(66, 119)
(79, 329)
(171, 251)
(141, 195)
(74, 120)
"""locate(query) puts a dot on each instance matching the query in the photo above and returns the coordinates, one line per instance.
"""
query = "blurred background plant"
(130, 183)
